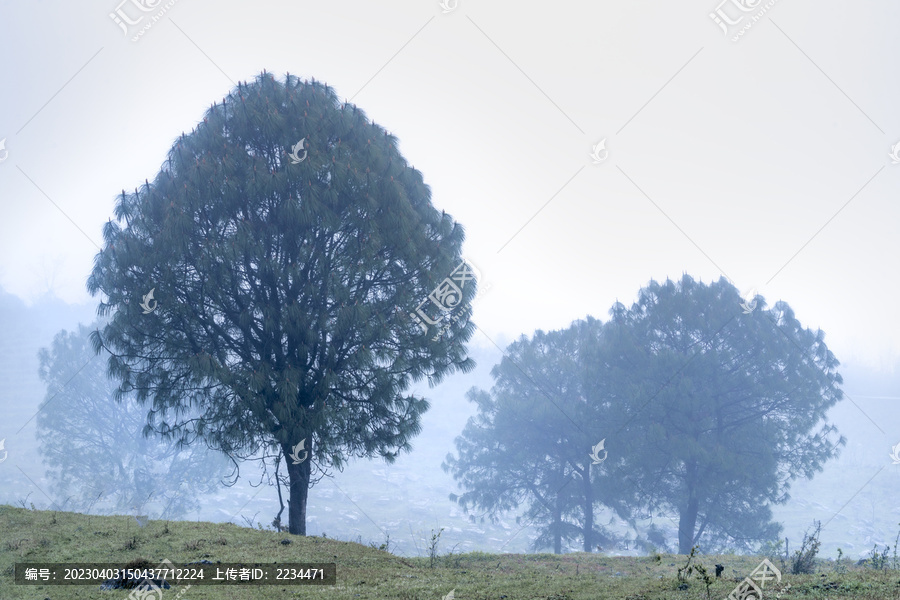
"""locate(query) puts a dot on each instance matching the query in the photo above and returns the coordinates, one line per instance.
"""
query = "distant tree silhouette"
(725, 403)
(532, 438)
(94, 447)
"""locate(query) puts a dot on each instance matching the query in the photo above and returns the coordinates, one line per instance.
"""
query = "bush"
(839, 566)
(879, 561)
(804, 560)
(691, 566)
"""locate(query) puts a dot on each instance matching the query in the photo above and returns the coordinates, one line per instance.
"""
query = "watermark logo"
(448, 6)
(152, 589)
(124, 20)
(295, 152)
(295, 456)
(4, 154)
(749, 303)
(447, 296)
(723, 20)
(734, 16)
(895, 153)
(786, 589)
(595, 453)
(483, 284)
(895, 454)
(600, 153)
(748, 588)
(145, 304)
(3, 452)
(766, 571)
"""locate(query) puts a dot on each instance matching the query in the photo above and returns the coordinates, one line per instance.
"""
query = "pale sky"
(765, 160)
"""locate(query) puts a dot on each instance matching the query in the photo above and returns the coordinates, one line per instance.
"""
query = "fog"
(586, 149)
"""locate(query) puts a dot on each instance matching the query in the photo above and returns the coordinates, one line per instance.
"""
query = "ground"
(363, 572)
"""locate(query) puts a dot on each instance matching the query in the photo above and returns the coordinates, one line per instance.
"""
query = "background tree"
(94, 448)
(725, 401)
(531, 442)
(284, 287)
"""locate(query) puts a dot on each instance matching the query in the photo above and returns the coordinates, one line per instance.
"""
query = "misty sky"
(765, 160)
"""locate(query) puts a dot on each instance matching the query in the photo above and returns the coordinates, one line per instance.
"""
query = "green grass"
(366, 573)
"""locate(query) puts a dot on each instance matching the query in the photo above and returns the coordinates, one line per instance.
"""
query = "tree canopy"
(532, 439)
(726, 401)
(706, 410)
(287, 242)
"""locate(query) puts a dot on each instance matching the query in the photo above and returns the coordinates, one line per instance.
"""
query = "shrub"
(879, 561)
(689, 567)
(895, 562)
(432, 550)
(804, 560)
(839, 566)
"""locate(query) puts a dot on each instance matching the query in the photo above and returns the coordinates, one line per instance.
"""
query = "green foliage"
(690, 566)
(879, 562)
(684, 573)
(432, 547)
(726, 404)
(284, 290)
(385, 546)
(539, 400)
(895, 561)
(804, 559)
(839, 566)
(705, 577)
(100, 539)
(697, 403)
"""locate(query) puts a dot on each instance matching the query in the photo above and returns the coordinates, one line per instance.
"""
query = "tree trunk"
(557, 526)
(686, 524)
(588, 511)
(298, 475)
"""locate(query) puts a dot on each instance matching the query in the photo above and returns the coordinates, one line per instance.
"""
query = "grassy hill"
(854, 497)
(365, 572)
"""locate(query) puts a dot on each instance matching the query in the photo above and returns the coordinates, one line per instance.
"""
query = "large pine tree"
(293, 281)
